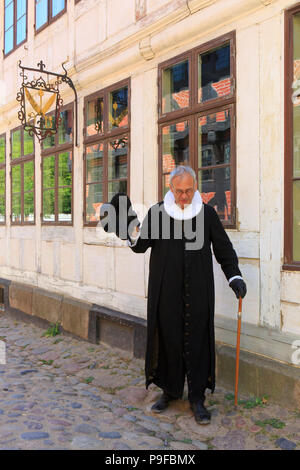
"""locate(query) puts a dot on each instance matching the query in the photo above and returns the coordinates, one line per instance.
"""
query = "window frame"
(20, 161)
(50, 19)
(289, 262)
(105, 137)
(195, 110)
(15, 29)
(3, 166)
(55, 151)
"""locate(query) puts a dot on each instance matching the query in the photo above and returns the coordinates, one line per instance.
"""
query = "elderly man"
(180, 309)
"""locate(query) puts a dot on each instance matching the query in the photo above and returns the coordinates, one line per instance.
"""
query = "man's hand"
(239, 287)
(121, 219)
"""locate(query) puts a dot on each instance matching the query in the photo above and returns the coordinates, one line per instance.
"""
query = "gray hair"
(180, 170)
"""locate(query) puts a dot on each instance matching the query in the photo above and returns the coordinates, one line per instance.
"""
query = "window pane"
(214, 186)
(9, 40)
(48, 205)
(214, 74)
(65, 127)
(175, 87)
(2, 182)
(9, 16)
(116, 187)
(175, 149)
(21, 8)
(94, 163)
(16, 179)
(49, 172)
(214, 139)
(16, 207)
(118, 108)
(21, 29)
(64, 204)
(41, 12)
(296, 220)
(2, 149)
(29, 207)
(296, 99)
(57, 7)
(28, 176)
(49, 141)
(28, 144)
(94, 199)
(94, 117)
(117, 158)
(16, 144)
(65, 169)
(2, 209)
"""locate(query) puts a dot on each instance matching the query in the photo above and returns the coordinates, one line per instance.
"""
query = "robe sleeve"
(222, 247)
(143, 241)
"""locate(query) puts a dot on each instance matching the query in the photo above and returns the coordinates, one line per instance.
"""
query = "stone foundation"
(258, 375)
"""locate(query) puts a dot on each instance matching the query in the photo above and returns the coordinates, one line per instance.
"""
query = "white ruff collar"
(190, 211)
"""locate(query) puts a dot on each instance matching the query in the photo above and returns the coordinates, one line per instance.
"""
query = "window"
(46, 11)
(197, 121)
(57, 172)
(2, 178)
(106, 147)
(22, 177)
(292, 139)
(15, 24)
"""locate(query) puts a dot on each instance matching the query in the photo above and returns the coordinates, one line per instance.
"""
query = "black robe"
(180, 308)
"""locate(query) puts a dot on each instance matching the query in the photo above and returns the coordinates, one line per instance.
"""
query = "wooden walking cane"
(238, 351)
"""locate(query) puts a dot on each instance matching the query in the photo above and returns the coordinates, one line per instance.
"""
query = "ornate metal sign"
(37, 97)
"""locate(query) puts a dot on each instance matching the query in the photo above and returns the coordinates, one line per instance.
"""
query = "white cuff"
(234, 277)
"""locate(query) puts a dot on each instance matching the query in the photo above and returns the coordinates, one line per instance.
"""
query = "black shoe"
(162, 403)
(202, 415)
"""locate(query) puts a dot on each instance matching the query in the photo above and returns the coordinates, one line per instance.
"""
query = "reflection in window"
(42, 7)
(117, 166)
(118, 108)
(214, 151)
(2, 149)
(16, 193)
(57, 172)
(94, 117)
(57, 7)
(106, 147)
(65, 127)
(65, 187)
(175, 140)
(2, 179)
(16, 144)
(94, 175)
(29, 191)
(296, 140)
(175, 87)
(117, 159)
(214, 74)
(41, 13)
(15, 22)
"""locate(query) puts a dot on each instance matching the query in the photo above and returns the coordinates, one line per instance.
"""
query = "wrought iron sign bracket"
(38, 124)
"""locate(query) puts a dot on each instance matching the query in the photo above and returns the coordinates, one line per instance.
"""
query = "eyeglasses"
(180, 192)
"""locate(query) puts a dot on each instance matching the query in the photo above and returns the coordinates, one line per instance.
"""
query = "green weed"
(46, 363)
(274, 422)
(89, 380)
(53, 330)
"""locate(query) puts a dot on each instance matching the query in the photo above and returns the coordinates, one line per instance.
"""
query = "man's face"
(183, 187)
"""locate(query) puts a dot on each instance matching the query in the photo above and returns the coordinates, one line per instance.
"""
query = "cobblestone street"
(62, 393)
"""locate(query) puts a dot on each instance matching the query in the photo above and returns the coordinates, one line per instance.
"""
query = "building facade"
(209, 83)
